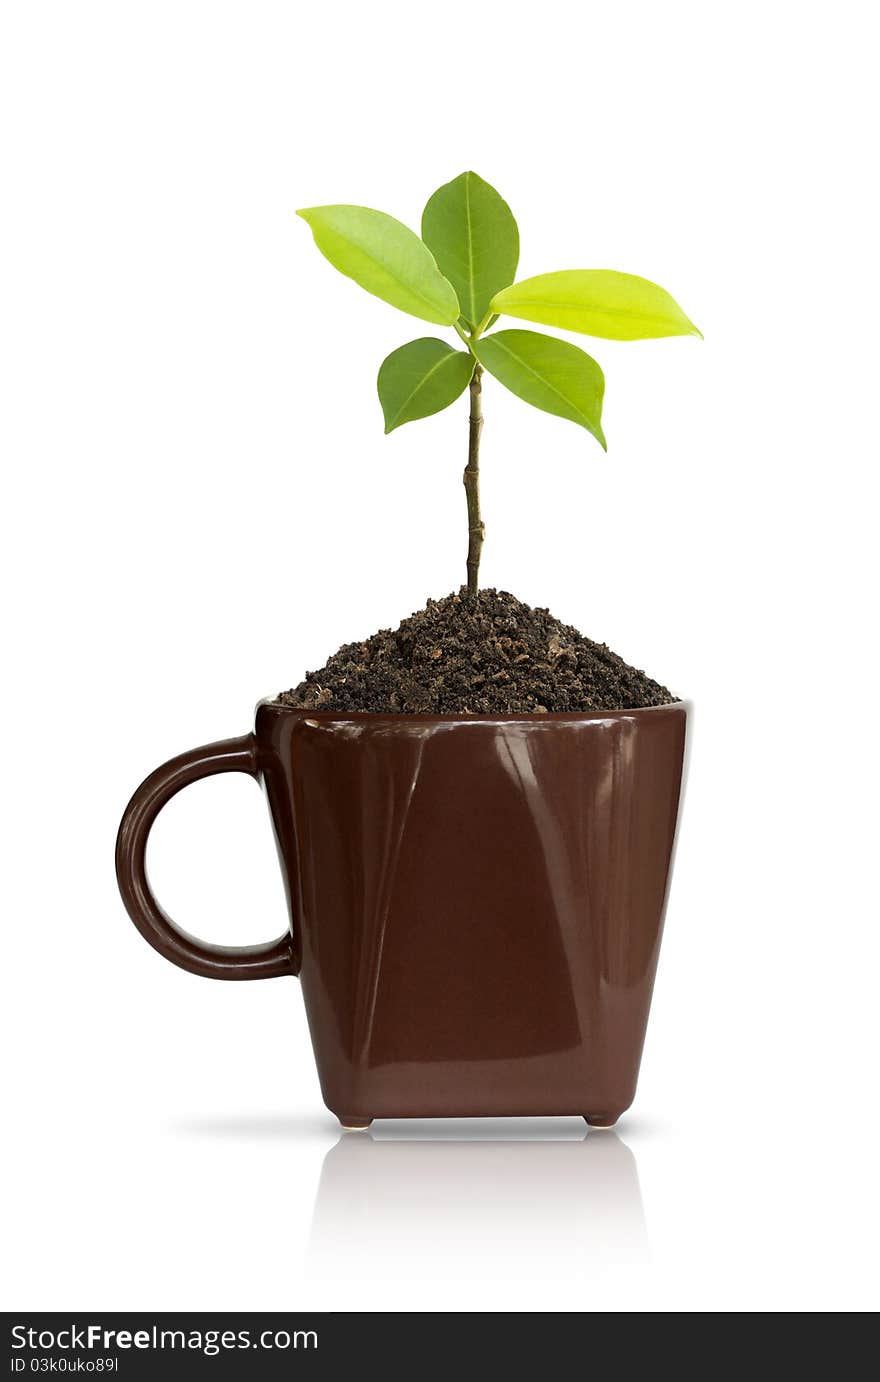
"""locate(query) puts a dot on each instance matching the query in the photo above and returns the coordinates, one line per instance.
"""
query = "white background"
(199, 504)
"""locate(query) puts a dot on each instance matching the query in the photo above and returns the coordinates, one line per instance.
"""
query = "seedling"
(460, 274)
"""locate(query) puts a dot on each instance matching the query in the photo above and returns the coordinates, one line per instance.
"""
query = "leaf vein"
(589, 307)
(422, 382)
(540, 378)
(470, 248)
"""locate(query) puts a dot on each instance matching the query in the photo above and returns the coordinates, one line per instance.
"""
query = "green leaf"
(471, 232)
(597, 302)
(386, 258)
(550, 374)
(421, 378)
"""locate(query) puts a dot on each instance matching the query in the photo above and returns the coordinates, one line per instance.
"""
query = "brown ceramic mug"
(476, 902)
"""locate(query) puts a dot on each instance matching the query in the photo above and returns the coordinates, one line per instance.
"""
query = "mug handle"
(200, 957)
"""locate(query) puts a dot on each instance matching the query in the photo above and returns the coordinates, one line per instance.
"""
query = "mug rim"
(268, 705)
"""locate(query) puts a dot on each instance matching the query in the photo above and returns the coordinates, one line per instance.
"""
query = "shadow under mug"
(476, 902)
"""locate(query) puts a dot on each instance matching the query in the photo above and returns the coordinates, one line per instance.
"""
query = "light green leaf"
(386, 258)
(421, 378)
(550, 374)
(471, 232)
(597, 302)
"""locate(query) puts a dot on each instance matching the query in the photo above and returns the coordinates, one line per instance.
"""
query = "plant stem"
(476, 527)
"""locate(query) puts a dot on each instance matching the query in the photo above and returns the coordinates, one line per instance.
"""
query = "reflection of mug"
(568, 1204)
(476, 902)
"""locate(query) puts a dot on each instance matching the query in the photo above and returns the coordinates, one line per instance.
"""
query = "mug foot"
(352, 1124)
(601, 1120)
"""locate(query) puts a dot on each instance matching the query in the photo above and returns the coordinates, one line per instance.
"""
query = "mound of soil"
(485, 655)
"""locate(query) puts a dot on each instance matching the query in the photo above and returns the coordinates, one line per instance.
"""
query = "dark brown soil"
(488, 655)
